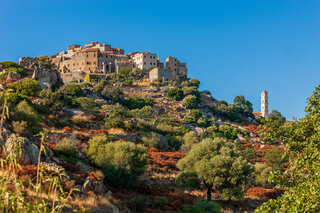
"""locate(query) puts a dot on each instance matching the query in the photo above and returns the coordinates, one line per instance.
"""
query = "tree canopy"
(218, 165)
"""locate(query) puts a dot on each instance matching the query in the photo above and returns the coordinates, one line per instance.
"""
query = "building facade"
(178, 69)
(264, 104)
(157, 74)
(144, 60)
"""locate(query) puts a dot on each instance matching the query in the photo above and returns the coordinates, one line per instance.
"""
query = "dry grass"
(118, 131)
(81, 118)
(142, 84)
(91, 201)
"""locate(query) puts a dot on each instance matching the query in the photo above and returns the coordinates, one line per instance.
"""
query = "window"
(94, 55)
(150, 63)
(74, 64)
(94, 62)
(87, 55)
(82, 63)
(154, 63)
(144, 56)
(150, 56)
(144, 63)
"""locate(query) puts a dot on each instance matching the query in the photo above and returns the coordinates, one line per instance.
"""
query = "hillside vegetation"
(127, 145)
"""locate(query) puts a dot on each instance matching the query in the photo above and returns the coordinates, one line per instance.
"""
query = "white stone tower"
(264, 104)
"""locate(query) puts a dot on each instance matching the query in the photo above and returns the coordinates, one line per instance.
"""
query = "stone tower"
(264, 104)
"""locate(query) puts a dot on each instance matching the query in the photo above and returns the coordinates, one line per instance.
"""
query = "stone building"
(157, 74)
(179, 70)
(144, 60)
(92, 58)
(264, 104)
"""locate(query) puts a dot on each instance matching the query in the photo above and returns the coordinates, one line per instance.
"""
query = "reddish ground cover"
(166, 160)
(259, 192)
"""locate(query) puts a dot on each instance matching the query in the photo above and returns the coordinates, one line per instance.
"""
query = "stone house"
(179, 70)
(144, 60)
(157, 74)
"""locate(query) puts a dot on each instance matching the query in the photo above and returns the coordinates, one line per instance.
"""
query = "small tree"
(274, 158)
(28, 87)
(190, 102)
(74, 90)
(244, 106)
(194, 82)
(219, 165)
(175, 93)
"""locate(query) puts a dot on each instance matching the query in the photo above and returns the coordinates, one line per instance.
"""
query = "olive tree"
(217, 165)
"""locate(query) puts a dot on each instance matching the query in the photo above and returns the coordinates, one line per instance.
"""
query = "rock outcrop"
(47, 78)
(30, 152)
(13, 76)
(28, 63)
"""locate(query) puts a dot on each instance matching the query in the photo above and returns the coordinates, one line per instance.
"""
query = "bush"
(74, 90)
(211, 206)
(151, 140)
(19, 127)
(127, 83)
(160, 201)
(27, 87)
(7, 64)
(52, 100)
(194, 82)
(24, 112)
(117, 115)
(175, 93)
(141, 202)
(190, 101)
(144, 113)
(273, 157)
(261, 174)
(189, 139)
(137, 102)
(123, 158)
(113, 94)
(86, 103)
(100, 86)
(67, 151)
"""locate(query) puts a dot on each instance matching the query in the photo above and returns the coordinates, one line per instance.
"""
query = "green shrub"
(191, 91)
(28, 87)
(141, 202)
(274, 158)
(74, 90)
(127, 83)
(160, 201)
(145, 113)
(137, 102)
(19, 127)
(122, 158)
(67, 151)
(24, 112)
(52, 100)
(261, 175)
(7, 64)
(113, 94)
(86, 103)
(210, 206)
(116, 116)
(250, 154)
(195, 114)
(175, 93)
(45, 62)
(194, 82)
(174, 141)
(190, 101)
(189, 139)
(151, 139)
(100, 86)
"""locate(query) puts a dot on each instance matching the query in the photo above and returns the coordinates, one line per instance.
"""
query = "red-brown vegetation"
(166, 160)
(67, 129)
(259, 192)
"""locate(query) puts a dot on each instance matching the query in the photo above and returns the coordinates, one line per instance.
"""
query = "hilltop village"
(96, 60)
(128, 130)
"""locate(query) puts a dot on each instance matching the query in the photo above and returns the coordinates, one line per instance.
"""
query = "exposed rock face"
(13, 76)
(47, 79)
(30, 152)
(28, 63)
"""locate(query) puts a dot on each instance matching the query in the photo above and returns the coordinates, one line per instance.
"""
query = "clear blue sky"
(233, 47)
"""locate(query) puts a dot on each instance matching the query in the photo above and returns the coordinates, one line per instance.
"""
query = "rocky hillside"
(118, 142)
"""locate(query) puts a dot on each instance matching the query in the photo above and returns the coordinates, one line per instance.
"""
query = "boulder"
(28, 63)
(47, 78)
(13, 76)
(98, 187)
(4, 136)
(84, 168)
(30, 152)
(87, 186)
